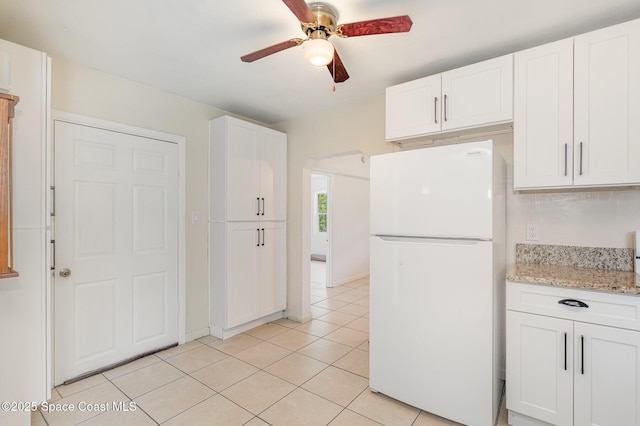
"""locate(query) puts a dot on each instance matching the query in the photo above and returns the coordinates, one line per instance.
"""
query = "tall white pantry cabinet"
(247, 225)
(24, 364)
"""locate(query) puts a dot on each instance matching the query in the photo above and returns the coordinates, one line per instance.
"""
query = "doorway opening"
(336, 241)
(320, 261)
(320, 199)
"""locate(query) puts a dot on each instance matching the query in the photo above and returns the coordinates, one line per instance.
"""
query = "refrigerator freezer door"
(443, 191)
(431, 339)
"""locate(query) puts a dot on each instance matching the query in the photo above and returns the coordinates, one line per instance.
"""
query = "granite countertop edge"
(611, 281)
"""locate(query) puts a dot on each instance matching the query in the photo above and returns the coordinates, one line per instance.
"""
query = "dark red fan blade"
(301, 10)
(341, 73)
(397, 24)
(258, 54)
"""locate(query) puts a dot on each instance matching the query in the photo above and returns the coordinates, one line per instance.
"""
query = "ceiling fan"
(319, 22)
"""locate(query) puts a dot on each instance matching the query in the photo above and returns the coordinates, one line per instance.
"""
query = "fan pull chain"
(333, 89)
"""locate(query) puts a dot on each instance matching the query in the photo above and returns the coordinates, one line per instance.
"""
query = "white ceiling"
(192, 47)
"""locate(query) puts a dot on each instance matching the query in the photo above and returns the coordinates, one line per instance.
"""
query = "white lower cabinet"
(563, 371)
(247, 275)
(538, 382)
(607, 376)
(271, 268)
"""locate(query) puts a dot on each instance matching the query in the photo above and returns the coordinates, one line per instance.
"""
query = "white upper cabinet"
(243, 170)
(543, 116)
(247, 171)
(471, 96)
(272, 157)
(412, 108)
(607, 106)
(478, 94)
(577, 104)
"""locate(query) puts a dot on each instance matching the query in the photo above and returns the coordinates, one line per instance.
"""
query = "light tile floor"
(281, 373)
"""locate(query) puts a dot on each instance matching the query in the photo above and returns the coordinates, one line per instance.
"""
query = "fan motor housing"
(326, 18)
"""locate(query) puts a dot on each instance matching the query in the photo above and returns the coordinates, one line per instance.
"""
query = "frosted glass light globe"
(318, 52)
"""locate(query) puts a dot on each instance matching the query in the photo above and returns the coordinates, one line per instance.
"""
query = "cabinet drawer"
(617, 310)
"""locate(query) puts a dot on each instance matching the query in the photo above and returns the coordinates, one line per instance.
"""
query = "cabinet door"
(242, 272)
(243, 171)
(607, 375)
(477, 94)
(271, 272)
(539, 367)
(272, 154)
(607, 106)
(413, 108)
(543, 116)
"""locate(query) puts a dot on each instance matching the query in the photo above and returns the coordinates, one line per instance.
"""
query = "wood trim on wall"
(7, 104)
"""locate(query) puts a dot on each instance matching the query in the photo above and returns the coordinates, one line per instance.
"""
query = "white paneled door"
(116, 258)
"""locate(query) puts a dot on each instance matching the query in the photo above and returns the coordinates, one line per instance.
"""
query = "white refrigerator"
(437, 279)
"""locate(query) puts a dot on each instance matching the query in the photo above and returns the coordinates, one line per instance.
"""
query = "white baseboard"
(348, 280)
(225, 333)
(15, 418)
(193, 335)
(517, 419)
(305, 318)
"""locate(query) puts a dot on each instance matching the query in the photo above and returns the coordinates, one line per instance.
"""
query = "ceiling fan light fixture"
(318, 50)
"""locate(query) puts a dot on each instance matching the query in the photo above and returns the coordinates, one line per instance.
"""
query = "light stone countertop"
(576, 277)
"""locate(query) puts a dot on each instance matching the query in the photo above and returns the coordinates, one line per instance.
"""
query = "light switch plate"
(195, 218)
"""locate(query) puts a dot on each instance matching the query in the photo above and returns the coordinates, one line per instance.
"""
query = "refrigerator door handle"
(432, 241)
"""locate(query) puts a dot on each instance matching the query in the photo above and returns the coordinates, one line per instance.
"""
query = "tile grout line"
(263, 369)
(296, 387)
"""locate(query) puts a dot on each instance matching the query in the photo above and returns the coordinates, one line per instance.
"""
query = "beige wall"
(84, 91)
(591, 218)
(594, 218)
(349, 229)
(603, 217)
(347, 128)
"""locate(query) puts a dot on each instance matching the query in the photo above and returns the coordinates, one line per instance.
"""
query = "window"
(321, 211)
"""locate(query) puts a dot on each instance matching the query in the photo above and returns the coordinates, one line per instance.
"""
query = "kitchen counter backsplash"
(614, 259)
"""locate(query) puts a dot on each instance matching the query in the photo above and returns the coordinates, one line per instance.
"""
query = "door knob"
(65, 272)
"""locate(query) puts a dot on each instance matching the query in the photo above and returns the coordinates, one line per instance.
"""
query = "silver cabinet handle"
(565, 158)
(53, 255)
(574, 303)
(258, 206)
(435, 110)
(262, 206)
(262, 236)
(445, 107)
(581, 354)
(258, 231)
(565, 351)
(53, 201)
(580, 158)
